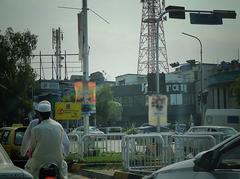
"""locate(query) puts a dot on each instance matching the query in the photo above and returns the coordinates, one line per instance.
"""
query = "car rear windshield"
(19, 136)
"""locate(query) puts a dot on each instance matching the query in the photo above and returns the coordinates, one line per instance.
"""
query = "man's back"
(46, 142)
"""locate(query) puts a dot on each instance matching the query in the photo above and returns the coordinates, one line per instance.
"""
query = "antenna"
(74, 8)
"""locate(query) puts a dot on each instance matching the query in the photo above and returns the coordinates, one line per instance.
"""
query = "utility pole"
(85, 61)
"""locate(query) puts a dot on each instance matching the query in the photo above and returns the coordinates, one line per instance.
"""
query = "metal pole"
(40, 65)
(65, 57)
(201, 72)
(157, 75)
(52, 67)
(85, 62)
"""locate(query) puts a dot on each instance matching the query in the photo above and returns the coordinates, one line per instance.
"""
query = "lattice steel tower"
(147, 45)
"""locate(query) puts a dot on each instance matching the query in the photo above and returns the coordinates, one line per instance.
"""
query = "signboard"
(85, 93)
(157, 106)
(67, 111)
(49, 85)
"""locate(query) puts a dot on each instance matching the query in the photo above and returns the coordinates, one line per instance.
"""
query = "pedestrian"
(45, 141)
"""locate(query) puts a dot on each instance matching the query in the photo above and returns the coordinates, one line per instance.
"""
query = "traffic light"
(176, 12)
(205, 19)
(152, 87)
(199, 98)
(226, 14)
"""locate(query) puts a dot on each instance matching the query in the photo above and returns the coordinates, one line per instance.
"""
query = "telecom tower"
(57, 37)
(147, 45)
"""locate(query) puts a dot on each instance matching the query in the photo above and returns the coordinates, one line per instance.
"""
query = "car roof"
(13, 127)
(216, 127)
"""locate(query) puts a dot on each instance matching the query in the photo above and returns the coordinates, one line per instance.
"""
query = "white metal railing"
(187, 146)
(96, 144)
(143, 151)
(74, 143)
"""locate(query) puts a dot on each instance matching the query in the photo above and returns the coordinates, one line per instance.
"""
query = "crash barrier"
(147, 152)
(143, 152)
(187, 146)
(74, 143)
(93, 145)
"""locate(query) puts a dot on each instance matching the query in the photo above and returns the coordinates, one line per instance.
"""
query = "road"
(75, 176)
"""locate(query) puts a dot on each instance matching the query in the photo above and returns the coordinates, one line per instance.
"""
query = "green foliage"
(16, 75)
(101, 158)
(107, 110)
(131, 130)
(236, 89)
(68, 98)
(114, 111)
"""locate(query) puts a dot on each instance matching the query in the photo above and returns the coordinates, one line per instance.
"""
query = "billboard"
(85, 93)
(67, 111)
(157, 106)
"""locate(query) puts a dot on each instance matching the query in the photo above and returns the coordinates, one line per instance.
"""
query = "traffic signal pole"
(222, 13)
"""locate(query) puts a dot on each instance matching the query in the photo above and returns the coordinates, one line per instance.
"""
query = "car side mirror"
(203, 161)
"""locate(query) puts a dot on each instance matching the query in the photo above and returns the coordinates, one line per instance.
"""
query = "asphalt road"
(75, 176)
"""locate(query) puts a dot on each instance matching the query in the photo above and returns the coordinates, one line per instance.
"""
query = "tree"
(236, 89)
(107, 110)
(114, 111)
(16, 74)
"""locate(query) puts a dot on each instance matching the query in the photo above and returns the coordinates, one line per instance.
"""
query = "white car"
(8, 170)
(220, 162)
(92, 130)
(226, 131)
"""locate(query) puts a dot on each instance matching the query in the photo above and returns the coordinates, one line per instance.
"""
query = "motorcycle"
(49, 171)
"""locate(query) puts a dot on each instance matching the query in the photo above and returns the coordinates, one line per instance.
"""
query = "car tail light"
(50, 177)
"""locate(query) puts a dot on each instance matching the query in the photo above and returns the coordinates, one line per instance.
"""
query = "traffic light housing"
(152, 87)
(199, 98)
(178, 14)
(205, 19)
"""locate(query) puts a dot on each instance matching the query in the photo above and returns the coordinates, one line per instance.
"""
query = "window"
(5, 137)
(233, 119)
(176, 99)
(19, 136)
(230, 159)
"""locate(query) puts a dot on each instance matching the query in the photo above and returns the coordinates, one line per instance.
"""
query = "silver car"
(220, 162)
(8, 170)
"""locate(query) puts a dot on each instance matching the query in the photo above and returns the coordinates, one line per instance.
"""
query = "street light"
(201, 70)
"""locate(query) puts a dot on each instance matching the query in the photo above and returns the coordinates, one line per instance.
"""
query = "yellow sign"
(67, 111)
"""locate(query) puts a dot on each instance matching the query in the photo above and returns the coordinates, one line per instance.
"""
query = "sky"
(114, 46)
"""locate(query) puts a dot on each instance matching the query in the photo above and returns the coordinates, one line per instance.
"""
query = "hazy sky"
(114, 46)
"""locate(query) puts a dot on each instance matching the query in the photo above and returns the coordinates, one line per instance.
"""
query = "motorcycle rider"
(46, 143)
(25, 146)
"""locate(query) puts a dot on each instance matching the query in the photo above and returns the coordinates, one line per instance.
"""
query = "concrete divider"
(126, 175)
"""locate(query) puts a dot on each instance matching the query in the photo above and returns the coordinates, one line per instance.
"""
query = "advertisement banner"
(89, 89)
(157, 106)
(67, 111)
